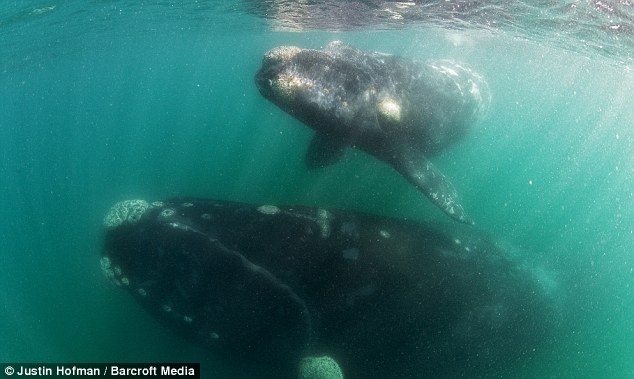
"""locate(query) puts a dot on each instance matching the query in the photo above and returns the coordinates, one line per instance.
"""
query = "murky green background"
(98, 106)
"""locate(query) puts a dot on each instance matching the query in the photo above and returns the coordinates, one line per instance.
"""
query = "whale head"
(325, 92)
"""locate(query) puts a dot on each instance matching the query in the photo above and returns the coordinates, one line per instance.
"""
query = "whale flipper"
(433, 184)
(323, 151)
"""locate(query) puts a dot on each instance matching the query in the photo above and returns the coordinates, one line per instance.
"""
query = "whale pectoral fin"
(433, 184)
(323, 151)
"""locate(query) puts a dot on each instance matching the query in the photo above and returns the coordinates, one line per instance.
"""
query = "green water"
(160, 106)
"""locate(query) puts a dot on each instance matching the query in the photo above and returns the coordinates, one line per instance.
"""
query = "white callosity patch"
(113, 272)
(268, 209)
(385, 234)
(181, 226)
(281, 53)
(287, 85)
(319, 368)
(323, 219)
(105, 263)
(127, 211)
(168, 212)
(106, 268)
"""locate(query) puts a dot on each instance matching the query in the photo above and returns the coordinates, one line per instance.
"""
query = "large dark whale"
(396, 109)
(385, 298)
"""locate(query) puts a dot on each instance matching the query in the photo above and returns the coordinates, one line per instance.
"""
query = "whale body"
(385, 298)
(398, 110)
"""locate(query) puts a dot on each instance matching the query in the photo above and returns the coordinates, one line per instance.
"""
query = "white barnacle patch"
(158, 204)
(319, 367)
(385, 234)
(457, 241)
(142, 292)
(167, 212)
(268, 209)
(286, 86)
(214, 336)
(281, 53)
(187, 319)
(178, 225)
(389, 110)
(166, 308)
(113, 273)
(127, 211)
(187, 205)
(105, 263)
(323, 219)
(205, 216)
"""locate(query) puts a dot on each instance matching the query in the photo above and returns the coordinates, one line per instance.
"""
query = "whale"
(396, 109)
(272, 285)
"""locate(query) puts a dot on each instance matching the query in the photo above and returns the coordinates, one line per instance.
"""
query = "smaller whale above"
(398, 110)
